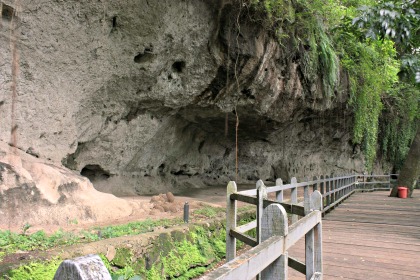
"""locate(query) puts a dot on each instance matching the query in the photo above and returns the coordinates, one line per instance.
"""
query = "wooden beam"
(244, 238)
(337, 202)
(291, 209)
(246, 227)
(244, 198)
(301, 227)
(230, 221)
(250, 263)
(297, 265)
(293, 197)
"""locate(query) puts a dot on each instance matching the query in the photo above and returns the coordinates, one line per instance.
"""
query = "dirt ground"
(147, 209)
(152, 207)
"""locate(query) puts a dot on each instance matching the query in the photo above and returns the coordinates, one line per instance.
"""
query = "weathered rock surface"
(35, 192)
(88, 267)
(141, 97)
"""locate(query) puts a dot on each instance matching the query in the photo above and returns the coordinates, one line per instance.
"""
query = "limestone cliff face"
(141, 96)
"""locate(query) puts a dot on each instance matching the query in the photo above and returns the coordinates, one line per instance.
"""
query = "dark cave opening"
(114, 22)
(95, 172)
(7, 12)
(178, 66)
(145, 56)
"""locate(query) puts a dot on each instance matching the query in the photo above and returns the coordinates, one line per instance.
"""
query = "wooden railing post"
(364, 180)
(342, 182)
(293, 197)
(315, 187)
(333, 186)
(313, 239)
(327, 189)
(389, 180)
(338, 185)
(274, 222)
(309, 246)
(230, 221)
(306, 197)
(356, 179)
(344, 191)
(261, 195)
(316, 204)
(279, 194)
(322, 187)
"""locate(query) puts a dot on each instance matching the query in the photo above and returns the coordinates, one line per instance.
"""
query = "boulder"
(88, 267)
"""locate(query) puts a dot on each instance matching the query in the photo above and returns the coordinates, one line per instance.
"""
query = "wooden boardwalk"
(370, 236)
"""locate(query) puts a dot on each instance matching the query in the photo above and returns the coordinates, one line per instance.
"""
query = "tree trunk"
(410, 172)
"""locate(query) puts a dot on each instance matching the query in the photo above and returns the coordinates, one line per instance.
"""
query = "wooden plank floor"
(370, 236)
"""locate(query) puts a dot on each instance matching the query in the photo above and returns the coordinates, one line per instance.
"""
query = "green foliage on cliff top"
(325, 32)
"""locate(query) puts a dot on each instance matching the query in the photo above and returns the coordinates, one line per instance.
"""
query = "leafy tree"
(375, 45)
(399, 21)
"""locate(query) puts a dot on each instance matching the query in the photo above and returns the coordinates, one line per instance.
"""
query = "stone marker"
(88, 267)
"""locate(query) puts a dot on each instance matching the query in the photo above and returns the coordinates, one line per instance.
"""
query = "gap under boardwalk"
(370, 236)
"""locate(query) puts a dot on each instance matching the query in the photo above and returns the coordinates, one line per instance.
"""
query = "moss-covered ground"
(174, 254)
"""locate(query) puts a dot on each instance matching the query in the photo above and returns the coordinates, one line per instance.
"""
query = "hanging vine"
(325, 31)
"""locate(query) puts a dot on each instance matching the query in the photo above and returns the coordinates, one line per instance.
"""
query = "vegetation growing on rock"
(180, 254)
(383, 105)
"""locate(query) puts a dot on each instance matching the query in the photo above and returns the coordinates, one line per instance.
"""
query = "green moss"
(35, 271)
(122, 257)
(154, 274)
(178, 254)
(162, 246)
(192, 273)
(139, 266)
(177, 235)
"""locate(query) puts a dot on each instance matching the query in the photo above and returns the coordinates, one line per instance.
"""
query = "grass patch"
(34, 271)
(174, 255)
(11, 242)
(209, 211)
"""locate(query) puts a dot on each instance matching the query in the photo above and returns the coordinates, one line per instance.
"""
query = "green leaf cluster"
(35, 271)
(330, 40)
(176, 256)
(372, 74)
(11, 242)
(399, 123)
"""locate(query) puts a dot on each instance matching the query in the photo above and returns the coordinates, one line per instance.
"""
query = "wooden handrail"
(273, 249)
(321, 194)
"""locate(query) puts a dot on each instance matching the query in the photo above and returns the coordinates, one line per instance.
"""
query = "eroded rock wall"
(142, 96)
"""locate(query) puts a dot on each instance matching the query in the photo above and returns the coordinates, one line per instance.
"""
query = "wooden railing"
(269, 258)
